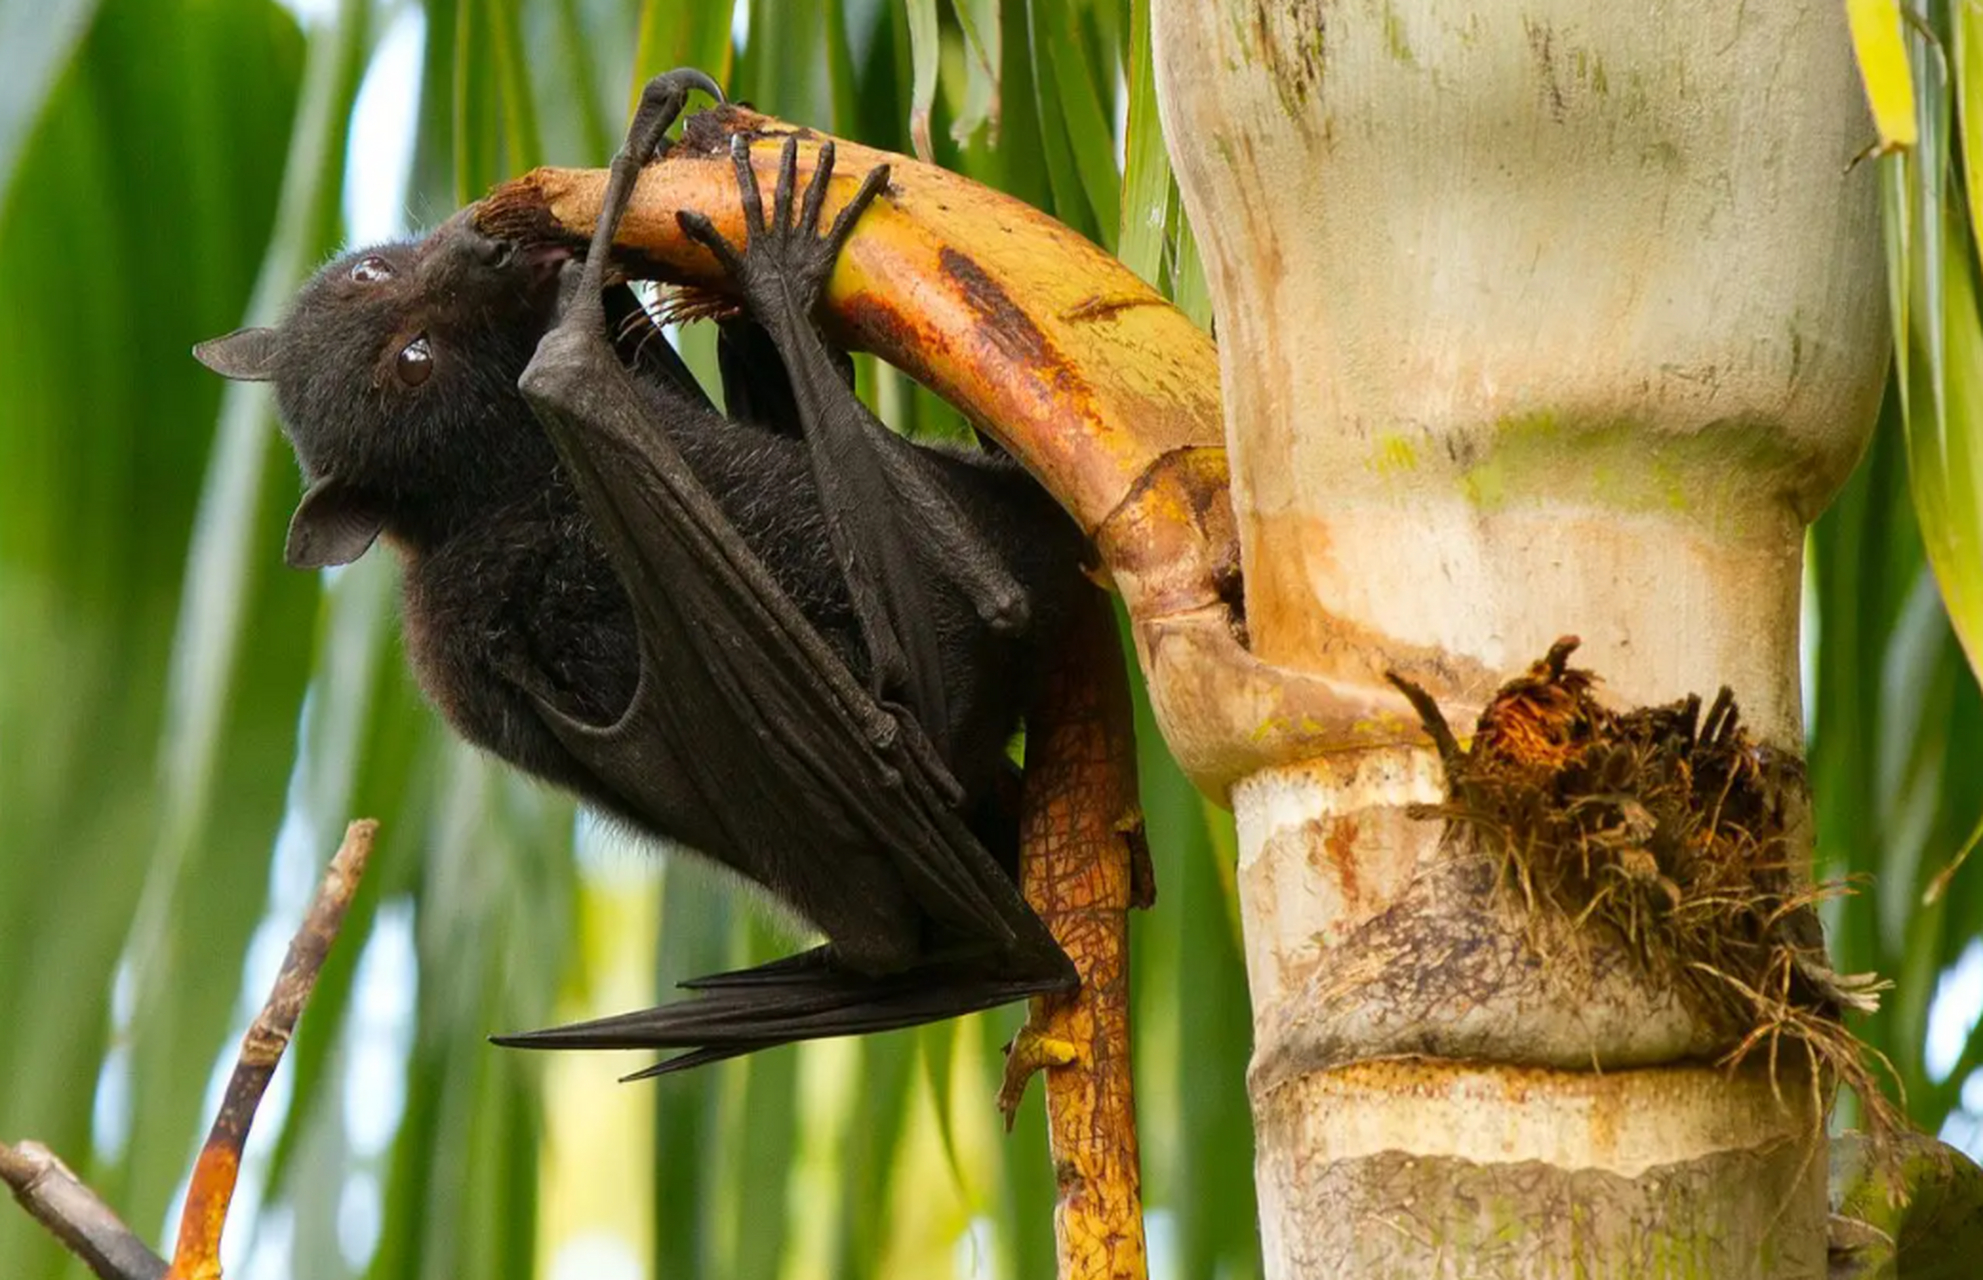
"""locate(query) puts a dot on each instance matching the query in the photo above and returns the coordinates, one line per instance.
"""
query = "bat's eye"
(415, 363)
(496, 254)
(371, 270)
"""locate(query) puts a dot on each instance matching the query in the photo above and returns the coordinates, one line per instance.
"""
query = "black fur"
(519, 615)
(503, 567)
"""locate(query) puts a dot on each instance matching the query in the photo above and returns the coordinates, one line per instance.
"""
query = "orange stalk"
(1048, 343)
(211, 1189)
(1082, 865)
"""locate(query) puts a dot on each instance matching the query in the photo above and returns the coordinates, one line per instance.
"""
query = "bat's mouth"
(540, 265)
(518, 270)
(544, 261)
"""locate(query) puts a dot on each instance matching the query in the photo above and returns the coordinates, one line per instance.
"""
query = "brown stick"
(77, 1217)
(1082, 866)
(219, 1166)
(86, 1226)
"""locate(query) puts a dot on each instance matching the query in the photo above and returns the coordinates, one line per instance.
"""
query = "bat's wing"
(737, 691)
(804, 997)
(749, 735)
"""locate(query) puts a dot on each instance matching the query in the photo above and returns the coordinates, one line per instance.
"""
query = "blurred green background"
(185, 725)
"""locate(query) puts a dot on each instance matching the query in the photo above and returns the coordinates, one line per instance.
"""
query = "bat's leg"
(661, 101)
(579, 350)
(879, 492)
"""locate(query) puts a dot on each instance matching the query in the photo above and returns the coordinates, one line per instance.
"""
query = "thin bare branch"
(58, 1200)
(86, 1226)
(219, 1166)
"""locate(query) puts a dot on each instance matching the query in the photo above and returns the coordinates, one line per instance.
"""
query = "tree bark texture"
(1535, 317)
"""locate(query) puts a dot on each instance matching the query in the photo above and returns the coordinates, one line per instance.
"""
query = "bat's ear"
(333, 524)
(246, 355)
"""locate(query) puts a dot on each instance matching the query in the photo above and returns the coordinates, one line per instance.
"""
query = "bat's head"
(395, 373)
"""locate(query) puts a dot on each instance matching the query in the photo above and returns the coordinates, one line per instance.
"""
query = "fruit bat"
(786, 638)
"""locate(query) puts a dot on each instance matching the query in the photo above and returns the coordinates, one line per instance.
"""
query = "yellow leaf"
(1883, 66)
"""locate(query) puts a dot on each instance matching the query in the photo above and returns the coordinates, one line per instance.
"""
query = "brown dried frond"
(1667, 827)
(1541, 718)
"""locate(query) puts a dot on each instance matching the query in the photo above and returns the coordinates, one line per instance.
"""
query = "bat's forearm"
(966, 559)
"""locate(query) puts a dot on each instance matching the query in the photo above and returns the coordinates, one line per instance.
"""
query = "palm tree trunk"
(1535, 317)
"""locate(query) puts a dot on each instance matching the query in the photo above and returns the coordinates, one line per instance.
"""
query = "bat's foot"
(661, 103)
(786, 261)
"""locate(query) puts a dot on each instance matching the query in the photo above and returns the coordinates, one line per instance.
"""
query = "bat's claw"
(701, 230)
(661, 102)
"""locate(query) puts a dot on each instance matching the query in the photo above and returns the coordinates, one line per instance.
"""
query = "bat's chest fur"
(522, 596)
